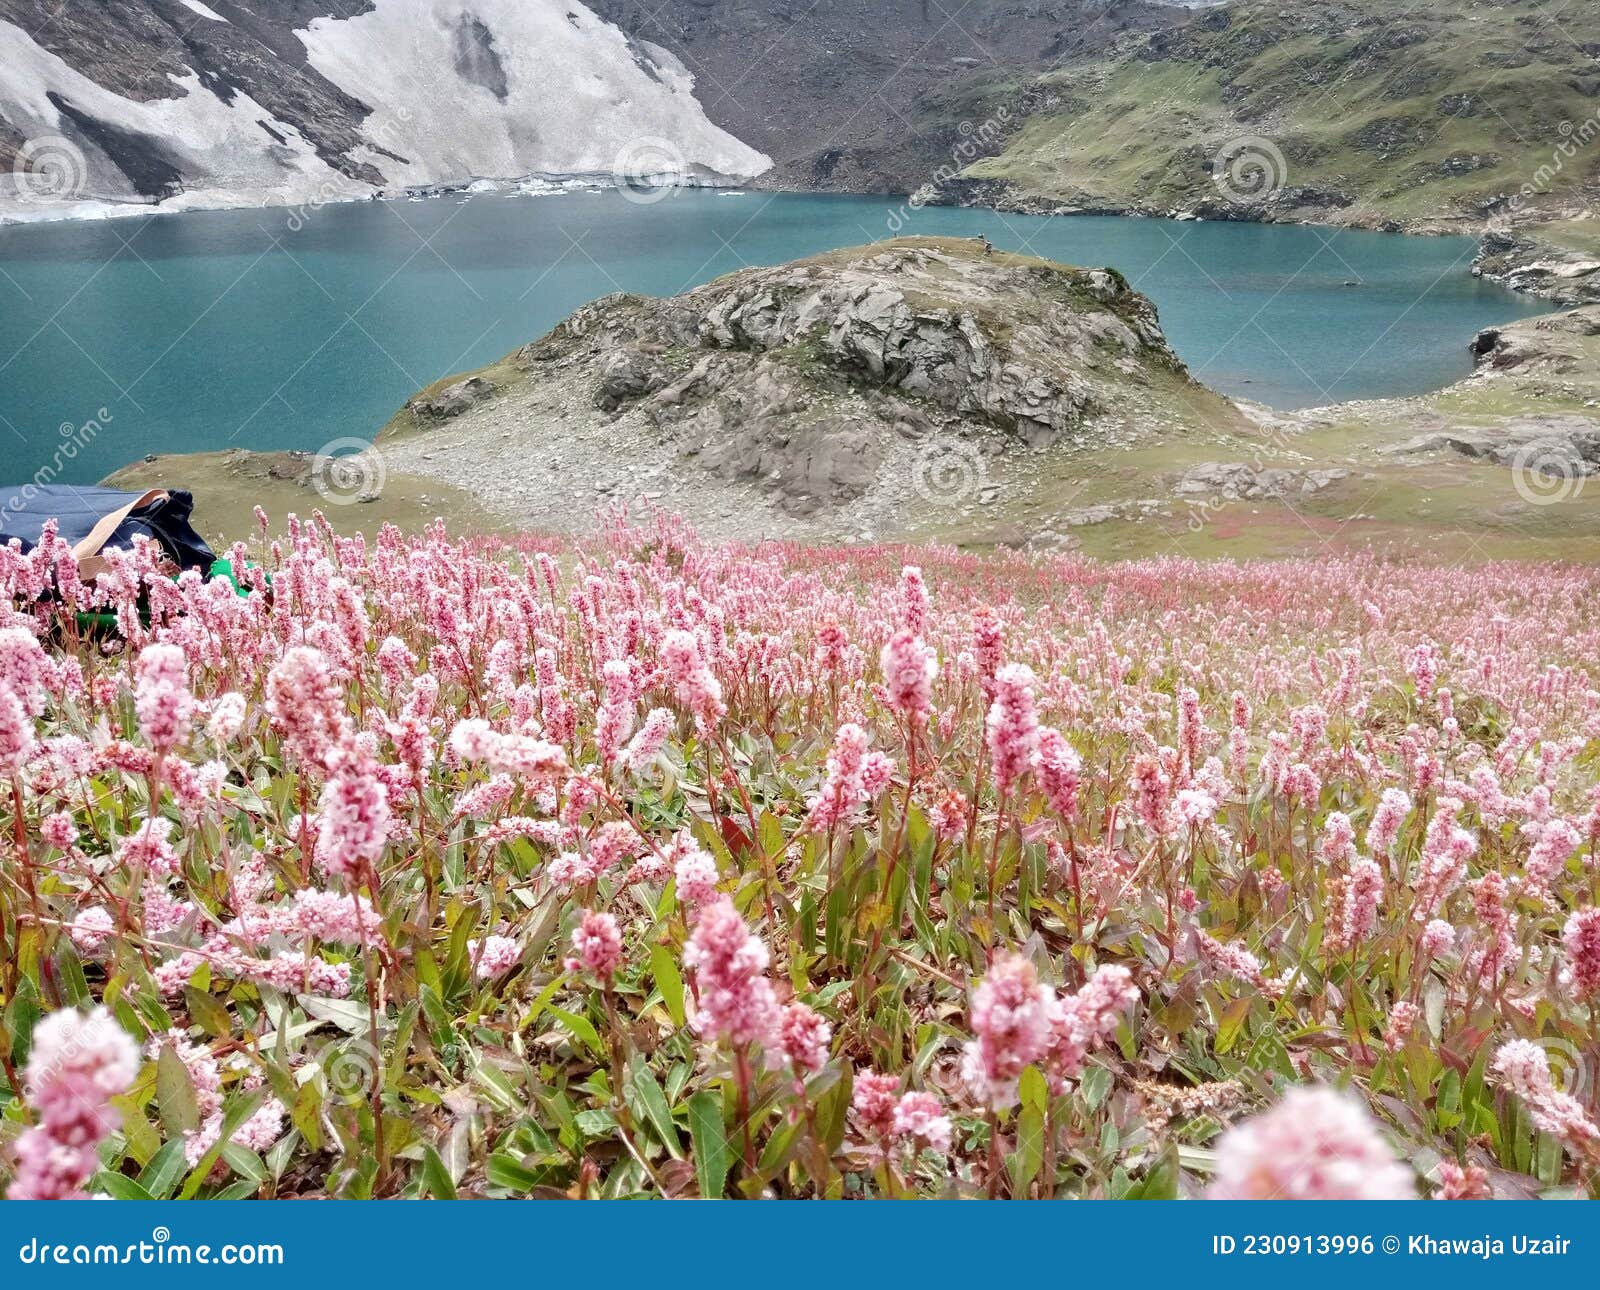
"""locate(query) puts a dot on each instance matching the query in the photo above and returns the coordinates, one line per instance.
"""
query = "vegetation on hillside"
(1347, 112)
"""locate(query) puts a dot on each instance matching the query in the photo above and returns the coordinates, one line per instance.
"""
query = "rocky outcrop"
(1565, 445)
(914, 322)
(836, 395)
(1525, 262)
(453, 399)
(1542, 351)
(1241, 480)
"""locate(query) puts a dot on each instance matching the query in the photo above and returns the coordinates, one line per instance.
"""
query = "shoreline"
(1240, 477)
(96, 210)
(1510, 255)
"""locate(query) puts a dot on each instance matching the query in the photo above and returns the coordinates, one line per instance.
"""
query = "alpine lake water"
(280, 329)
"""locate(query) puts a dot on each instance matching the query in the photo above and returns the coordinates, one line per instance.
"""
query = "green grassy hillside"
(1359, 112)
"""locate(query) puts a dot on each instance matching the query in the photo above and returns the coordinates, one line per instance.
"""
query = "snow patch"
(214, 146)
(516, 91)
(570, 97)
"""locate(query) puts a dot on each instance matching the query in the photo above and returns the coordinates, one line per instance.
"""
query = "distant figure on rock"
(988, 246)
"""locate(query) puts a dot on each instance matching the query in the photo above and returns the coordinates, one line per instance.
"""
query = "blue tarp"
(77, 510)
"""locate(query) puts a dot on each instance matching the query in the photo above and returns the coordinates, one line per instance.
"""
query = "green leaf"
(436, 1179)
(212, 1016)
(163, 1174)
(175, 1095)
(645, 1095)
(1448, 1097)
(1161, 1183)
(141, 1136)
(495, 1084)
(771, 836)
(541, 1003)
(441, 1021)
(510, 1173)
(428, 972)
(832, 1110)
(21, 1017)
(245, 1162)
(74, 985)
(119, 1186)
(306, 1114)
(669, 981)
(1033, 1091)
(713, 1153)
(1025, 1162)
(780, 1146)
(580, 1027)
(1230, 1023)
(1547, 1159)
(1094, 1086)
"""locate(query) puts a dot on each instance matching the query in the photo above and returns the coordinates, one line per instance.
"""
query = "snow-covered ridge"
(411, 94)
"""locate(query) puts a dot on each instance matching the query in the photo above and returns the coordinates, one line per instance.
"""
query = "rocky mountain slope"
(1440, 113)
(1349, 112)
(891, 389)
(242, 102)
(872, 95)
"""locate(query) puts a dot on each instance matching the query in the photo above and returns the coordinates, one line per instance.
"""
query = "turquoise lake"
(267, 329)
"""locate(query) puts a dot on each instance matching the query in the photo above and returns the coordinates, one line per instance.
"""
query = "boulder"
(1239, 480)
(453, 399)
(627, 374)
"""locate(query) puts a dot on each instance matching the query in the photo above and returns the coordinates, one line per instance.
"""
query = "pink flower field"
(649, 867)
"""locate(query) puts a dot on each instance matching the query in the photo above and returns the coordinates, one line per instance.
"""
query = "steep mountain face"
(1357, 112)
(239, 102)
(874, 95)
